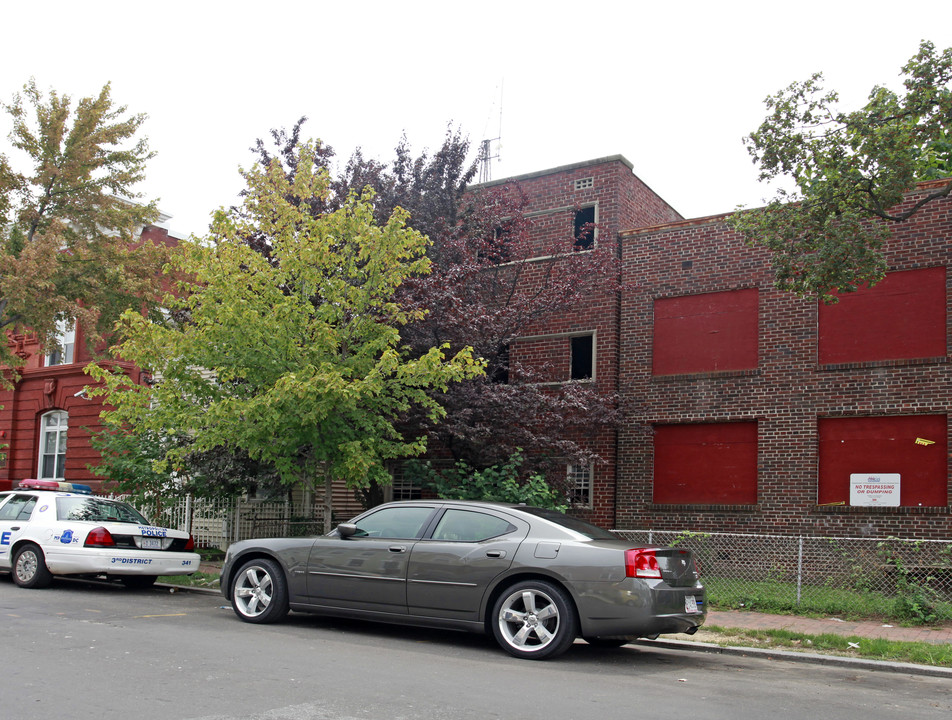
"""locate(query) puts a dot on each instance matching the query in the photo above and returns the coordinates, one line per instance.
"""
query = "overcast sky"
(673, 87)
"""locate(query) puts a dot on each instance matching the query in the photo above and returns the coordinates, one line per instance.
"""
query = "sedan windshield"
(97, 510)
(592, 532)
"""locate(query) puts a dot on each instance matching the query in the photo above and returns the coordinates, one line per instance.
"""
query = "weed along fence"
(822, 574)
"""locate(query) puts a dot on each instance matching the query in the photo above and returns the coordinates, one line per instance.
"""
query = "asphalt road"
(84, 650)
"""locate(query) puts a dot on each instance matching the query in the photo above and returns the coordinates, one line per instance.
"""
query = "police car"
(52, 528)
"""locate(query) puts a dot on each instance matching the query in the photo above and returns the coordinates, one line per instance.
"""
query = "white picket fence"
(220, 522)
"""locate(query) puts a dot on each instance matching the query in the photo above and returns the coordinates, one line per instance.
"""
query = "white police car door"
(14, 516)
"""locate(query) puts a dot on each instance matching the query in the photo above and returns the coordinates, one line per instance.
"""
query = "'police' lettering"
(153, 531)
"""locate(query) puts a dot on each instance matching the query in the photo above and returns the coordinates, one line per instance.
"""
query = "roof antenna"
(485, 146)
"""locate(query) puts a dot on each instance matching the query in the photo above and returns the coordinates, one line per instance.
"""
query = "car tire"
(138, 582)
(29, 567)
(534, 619)
(259, 592)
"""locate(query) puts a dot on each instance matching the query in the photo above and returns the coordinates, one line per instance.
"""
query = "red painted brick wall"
(787, 394)
(42, 389)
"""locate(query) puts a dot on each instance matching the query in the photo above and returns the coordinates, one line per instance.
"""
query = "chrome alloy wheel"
(27, 565)
(529, 620)
(254, 589)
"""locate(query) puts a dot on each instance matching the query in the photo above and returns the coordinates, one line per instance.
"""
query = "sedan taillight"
(190, 545)
(99, 537)
(642, 563)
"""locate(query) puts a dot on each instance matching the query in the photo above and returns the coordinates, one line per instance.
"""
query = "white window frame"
(56, 432)
(580, 484)
(66, 340)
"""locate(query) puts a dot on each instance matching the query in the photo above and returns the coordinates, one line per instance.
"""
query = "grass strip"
(919, 653)
(199, 579)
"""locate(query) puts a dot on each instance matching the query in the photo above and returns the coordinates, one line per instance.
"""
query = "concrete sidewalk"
(820, 626)
(732, 619)
(810, 626)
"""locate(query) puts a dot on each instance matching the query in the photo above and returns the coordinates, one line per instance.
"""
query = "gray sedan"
(535, 579)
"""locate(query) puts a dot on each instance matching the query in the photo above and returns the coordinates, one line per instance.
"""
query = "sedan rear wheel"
(259, 592)
(29, 567)
(534, 619)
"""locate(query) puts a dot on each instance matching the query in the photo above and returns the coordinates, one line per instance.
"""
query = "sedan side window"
(403, 523)
(20, 507)
(467, 526)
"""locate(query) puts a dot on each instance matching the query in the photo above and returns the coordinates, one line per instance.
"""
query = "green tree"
(296, 357)
(69, 217)
(851, 172)
(127, 463)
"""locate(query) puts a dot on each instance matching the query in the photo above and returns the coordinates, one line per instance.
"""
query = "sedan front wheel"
(259, 592)
(535, 620)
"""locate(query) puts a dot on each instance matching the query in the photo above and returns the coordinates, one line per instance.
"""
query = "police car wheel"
(259, 592)
(138, 582)
(29, 567)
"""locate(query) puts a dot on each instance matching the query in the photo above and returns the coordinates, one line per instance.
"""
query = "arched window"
(53, 445)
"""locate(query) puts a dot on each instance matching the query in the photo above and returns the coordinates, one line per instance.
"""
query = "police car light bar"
(55, 485)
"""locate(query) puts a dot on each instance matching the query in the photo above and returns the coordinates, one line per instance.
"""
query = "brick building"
(764, 412)
(748, 409)
(46, 419)
(583, 344)
(751, 409)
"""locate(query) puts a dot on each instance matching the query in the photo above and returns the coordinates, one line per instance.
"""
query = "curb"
(765, 653)
(813, 658)
(173, 588)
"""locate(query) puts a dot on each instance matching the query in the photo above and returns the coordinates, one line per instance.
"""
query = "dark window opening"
(499, 372)
(584, 228)
(583, 351)
(498, 247)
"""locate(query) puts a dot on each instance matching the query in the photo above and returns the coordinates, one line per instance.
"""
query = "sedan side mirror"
(346, 530)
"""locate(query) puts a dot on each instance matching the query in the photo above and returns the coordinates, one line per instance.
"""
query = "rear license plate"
(149, 543)
(690, 604)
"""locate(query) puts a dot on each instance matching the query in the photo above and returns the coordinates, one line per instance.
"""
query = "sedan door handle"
(398, 548)
(496, 553)
(15, 527)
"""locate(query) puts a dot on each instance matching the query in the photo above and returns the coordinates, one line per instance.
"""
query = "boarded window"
(710, 464)
(913, 446)
(901, 317)
(705, 333)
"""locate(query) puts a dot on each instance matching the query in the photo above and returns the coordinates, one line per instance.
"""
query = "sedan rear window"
(467, 526)
(592, 532)
(97, 510)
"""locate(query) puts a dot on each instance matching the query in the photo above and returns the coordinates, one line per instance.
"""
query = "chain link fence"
(819, 572)
(824, 574)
